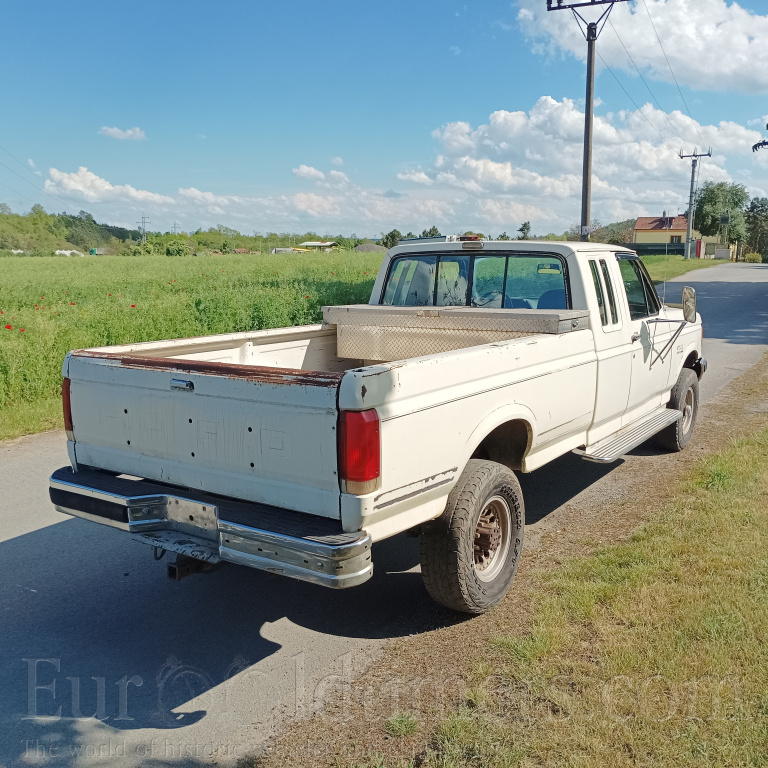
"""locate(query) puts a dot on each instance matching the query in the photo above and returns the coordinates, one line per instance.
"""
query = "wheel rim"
(688, 411)
(491, 543)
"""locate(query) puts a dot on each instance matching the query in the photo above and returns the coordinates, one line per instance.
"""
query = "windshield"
(504, 281)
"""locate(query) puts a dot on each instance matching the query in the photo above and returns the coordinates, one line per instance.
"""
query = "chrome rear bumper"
(213, 529)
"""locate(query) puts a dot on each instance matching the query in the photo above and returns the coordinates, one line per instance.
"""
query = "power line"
(27, 181)
(22, 164)
(143, 223)
(656, 101)
(591, 31)
(671, 71)
(694, 165)
(20, 194)
(639, 110)
(27, 168)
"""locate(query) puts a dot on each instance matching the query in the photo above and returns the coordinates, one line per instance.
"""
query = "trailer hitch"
(184, 566)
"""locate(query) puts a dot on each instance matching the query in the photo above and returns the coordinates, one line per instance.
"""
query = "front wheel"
(685, 398)
(469, 555)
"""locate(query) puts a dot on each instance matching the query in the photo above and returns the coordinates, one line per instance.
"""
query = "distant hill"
(38, 231)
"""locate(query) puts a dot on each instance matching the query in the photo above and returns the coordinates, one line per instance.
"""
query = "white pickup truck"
(292, 450)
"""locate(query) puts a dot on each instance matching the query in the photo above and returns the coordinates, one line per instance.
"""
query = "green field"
(70, 303)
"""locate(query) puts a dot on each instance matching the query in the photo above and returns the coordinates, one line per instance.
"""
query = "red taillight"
(359, 450)
(67, 405)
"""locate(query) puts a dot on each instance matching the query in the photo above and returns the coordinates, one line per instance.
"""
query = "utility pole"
(591, 31)
(694, 164)
(143, 225)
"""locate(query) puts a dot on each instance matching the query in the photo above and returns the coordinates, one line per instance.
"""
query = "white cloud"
(514, 167)
(534, 159)
(86, 185)
(337, 160)
(455, 50)
(711, 44)
(131, 134)
(417, 177)
(308, 172)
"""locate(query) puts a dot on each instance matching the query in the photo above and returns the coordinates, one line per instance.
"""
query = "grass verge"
(31, 417)
(649, 652)
(662, 268)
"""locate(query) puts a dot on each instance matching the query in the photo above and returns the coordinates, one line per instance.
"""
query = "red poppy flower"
(109, 294)
(72, 303)
(133, 306)
(307, 296)
(1, 312)
(21, 330)
(42, 297)
(9, 327)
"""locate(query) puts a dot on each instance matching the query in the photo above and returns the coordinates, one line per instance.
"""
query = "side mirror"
(689, 304)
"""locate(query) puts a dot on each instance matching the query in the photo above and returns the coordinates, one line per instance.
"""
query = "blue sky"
(241, 108)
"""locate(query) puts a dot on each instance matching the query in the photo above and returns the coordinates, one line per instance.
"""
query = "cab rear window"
(508, 281)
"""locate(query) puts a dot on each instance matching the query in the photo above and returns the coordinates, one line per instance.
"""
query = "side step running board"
(616, 445)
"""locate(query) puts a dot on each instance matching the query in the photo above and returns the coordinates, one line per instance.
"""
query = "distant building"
(319, 245)
(660, 229)
(667, 234)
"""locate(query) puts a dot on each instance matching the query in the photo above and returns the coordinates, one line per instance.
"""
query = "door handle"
(635, 337)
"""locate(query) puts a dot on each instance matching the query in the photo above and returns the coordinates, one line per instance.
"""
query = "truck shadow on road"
(97, 611)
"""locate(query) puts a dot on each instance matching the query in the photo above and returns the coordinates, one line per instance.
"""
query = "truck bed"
(253, 416)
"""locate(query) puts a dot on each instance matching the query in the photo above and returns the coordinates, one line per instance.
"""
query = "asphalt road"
(203, 670)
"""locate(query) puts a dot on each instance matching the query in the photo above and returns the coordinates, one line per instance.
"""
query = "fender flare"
(494, 419)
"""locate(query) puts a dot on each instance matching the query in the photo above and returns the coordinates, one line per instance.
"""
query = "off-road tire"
(685, 397)
(448, 544)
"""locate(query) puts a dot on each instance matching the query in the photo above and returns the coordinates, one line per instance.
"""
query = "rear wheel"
(685, 398)
(469, 555)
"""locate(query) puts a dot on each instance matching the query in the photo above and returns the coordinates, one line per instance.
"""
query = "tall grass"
(71, 303)
(63, 304)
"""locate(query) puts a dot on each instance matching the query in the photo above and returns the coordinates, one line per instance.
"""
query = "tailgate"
(262, 434)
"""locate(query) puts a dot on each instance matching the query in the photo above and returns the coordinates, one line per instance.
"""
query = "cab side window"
(641, 295)
(412, 282)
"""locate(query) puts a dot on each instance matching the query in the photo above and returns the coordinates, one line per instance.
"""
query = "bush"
(177, 248)
(753, 258)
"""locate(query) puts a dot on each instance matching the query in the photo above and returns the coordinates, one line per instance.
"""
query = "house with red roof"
(661, 229)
